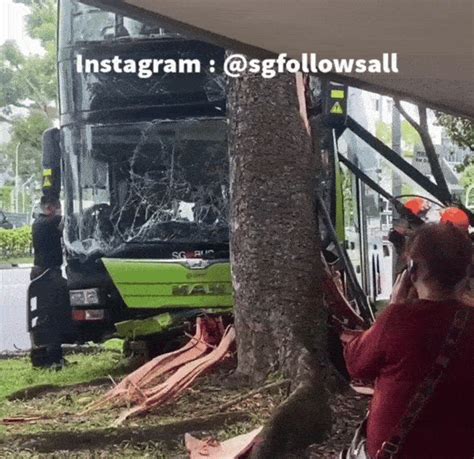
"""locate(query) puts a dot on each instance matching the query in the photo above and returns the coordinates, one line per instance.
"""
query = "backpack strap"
(391, 448)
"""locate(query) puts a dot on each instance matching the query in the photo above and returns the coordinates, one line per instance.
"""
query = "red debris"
(22, 420)
(234, 448)
(336, 301)
(144, 389)
(184, 376)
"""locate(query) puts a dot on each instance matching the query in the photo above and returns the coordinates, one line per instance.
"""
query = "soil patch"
(61, 440)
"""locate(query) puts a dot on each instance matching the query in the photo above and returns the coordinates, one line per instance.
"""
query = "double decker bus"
(142, 166)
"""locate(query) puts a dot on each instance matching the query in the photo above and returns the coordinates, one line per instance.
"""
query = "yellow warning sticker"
(337, 109)
(47, 172)
(337, 94)
(47, 183)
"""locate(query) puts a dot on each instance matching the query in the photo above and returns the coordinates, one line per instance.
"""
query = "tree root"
(273, 385)
(303, 419)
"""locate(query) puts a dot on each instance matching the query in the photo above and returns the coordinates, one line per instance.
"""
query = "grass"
(17, 374)
(61, 410)
(152, 450)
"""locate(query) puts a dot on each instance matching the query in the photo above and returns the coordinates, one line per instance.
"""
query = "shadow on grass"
(19, 380)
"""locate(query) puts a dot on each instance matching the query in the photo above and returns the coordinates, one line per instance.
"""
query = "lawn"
(213, 406)
(17, 374)
(60, 430)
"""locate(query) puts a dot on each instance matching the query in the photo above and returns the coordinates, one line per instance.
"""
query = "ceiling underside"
(434, 39)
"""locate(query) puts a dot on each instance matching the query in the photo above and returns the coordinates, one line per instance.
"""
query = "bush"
(15, 243)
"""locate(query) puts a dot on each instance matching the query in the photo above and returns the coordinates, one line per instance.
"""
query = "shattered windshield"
(96, 36)
(159, 181)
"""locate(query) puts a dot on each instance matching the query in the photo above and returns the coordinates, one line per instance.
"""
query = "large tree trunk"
(276, 268)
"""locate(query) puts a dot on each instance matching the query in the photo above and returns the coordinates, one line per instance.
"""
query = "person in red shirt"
(399, 350)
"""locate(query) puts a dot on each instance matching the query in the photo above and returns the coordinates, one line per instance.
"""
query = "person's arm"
(403, 290)
(365, 352)
(57, 223)
(348, 335)
(61, 225)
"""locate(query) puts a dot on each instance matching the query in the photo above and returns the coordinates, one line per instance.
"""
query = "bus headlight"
(84, 297)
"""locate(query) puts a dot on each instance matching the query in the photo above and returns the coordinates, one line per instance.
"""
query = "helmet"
(417, 206)
(456, 217)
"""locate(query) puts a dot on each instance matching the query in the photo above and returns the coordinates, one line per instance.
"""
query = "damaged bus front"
(144, 170)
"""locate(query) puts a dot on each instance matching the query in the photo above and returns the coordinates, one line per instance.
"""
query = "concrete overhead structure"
(434, 39)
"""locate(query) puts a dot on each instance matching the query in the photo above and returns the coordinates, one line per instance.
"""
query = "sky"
(12, 26)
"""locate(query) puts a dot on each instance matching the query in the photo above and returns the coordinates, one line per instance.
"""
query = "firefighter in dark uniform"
(49, 287)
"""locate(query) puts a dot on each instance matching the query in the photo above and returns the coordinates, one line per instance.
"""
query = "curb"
(15, 265)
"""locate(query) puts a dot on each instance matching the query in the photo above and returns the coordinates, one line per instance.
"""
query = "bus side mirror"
(51, 163)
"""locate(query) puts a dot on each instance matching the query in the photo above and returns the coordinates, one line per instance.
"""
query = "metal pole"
(23, 186)
(397, 160)
(17, 178)
(396, 179)
(397, 148)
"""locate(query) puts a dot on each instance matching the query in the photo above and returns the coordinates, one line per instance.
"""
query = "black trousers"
(54, 323)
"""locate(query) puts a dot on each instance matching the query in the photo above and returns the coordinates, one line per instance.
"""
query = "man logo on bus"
(192, 254)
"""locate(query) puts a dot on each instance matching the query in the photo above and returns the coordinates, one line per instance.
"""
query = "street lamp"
(23, 186)
(17, 178)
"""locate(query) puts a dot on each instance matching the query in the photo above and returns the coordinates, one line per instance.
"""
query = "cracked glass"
(147, 182)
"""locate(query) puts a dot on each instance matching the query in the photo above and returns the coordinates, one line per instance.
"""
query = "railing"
(18, 220)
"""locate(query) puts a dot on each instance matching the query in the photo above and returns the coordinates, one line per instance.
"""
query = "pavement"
(13, 285)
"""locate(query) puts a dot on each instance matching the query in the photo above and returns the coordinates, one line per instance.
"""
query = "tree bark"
(275, 257)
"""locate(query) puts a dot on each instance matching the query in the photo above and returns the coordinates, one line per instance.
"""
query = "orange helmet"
(417, 206)
(456, 217)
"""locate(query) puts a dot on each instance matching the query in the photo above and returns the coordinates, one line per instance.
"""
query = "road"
(13, 285)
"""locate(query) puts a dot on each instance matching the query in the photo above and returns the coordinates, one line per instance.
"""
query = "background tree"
(460, 130)
(28, 89)
(467, 177)
(411, 139)
(421, 127)
(26, 134)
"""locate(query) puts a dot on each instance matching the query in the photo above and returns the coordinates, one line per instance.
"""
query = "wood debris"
(22, 420)
(145, 389)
